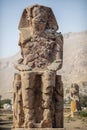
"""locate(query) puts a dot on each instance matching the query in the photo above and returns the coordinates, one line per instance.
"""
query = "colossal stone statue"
(42, 55)
(74, 95)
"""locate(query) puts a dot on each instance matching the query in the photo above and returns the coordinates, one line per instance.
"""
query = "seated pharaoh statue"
(38, 90)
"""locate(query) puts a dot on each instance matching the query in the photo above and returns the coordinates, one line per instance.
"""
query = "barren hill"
(74, 67)
(75, 57)
(6, 75)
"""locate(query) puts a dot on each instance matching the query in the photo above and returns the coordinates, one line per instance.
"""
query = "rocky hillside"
(75, 57)
(6, 75)
(74, 67)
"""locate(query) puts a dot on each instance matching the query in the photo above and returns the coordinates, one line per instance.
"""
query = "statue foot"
(30, 125)
(46, 124)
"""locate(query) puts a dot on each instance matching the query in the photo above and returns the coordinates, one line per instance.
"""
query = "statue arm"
(58, 62)
(56, 65)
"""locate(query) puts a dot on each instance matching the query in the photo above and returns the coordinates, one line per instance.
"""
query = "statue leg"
(58, 98)
(48, 83)
(27, 79)
(17, 100)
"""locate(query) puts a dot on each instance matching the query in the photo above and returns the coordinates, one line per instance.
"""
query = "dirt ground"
(76, 123)
(5, 119)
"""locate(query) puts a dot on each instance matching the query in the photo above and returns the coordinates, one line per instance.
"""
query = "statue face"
(35, 11)
(74, 89)
(39, 20)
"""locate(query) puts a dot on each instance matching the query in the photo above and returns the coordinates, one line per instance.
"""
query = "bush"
(83, 100)
(83, 113)
(4, 101)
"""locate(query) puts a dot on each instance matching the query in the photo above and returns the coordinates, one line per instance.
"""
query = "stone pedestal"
(38, 128)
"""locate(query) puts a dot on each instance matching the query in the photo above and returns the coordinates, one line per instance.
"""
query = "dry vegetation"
(77, 123)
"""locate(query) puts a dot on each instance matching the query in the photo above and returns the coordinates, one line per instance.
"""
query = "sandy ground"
(76, 123)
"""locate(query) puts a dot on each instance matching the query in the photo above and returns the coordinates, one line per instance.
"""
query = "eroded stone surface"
(18, 115)
(38, 91)
(41, 46)
(39, 129)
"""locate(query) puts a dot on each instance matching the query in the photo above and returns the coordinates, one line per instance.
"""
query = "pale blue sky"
(71, 16)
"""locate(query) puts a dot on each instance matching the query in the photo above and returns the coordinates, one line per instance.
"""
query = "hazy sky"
(71, 16)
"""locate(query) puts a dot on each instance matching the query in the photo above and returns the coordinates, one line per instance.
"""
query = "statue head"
(37, 18)
(74, 88)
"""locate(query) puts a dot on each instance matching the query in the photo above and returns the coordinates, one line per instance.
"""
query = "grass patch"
(83, 114)
(69, 118)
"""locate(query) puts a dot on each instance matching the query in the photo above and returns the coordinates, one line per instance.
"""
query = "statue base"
(38, 129)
